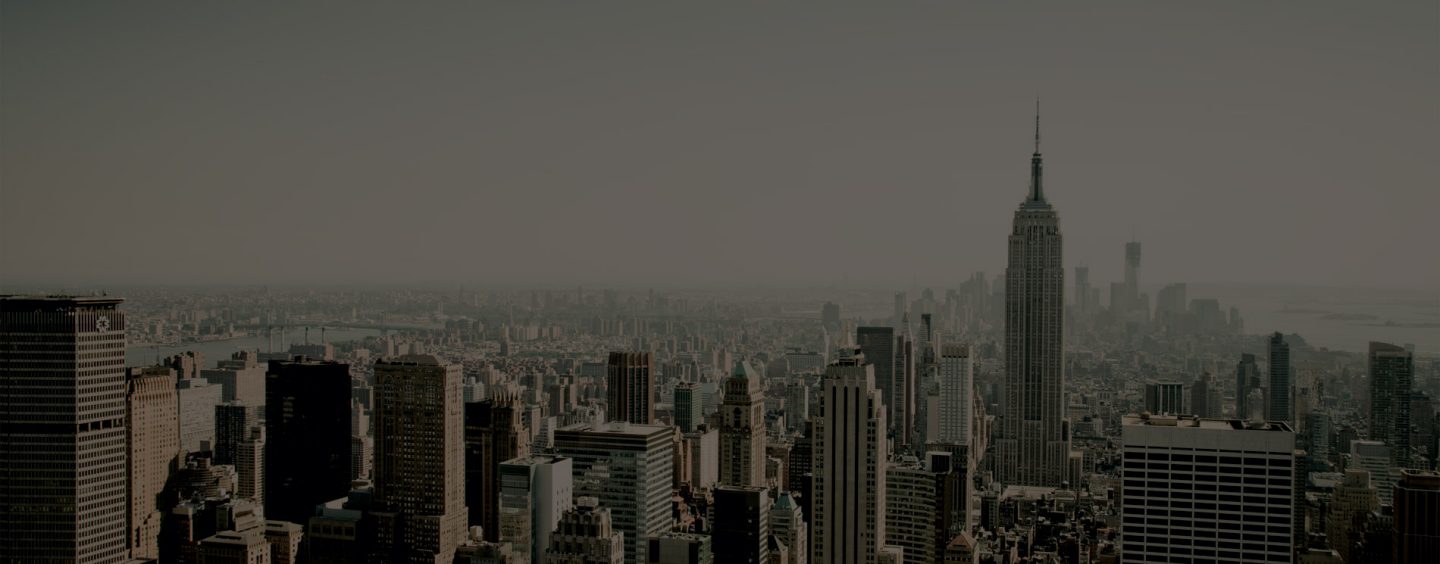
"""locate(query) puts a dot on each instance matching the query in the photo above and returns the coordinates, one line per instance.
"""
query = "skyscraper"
(877, 344)
(1282, 382)
(901, 410)
(1083, 305)
(493, 434)
(1132, 276)
(741, 531)
(419, 504)
(639, 461)
(233, 420)
(630, 388)
(910, 506)
(742, 429)
(830, 316)
(1205, 397)
(689, 410)
(1183, 489)
(850, 450)
(307, 432)
(928, 350)
(1034, 446)
(1392, 377)
(957, 385)
(544, 487)
(62, 449)
(1247, 379)
(1417, 516)
(1165, 398)
(250, 465)
(152, 421)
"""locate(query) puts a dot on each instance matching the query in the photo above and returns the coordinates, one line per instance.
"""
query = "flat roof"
(1189, 422)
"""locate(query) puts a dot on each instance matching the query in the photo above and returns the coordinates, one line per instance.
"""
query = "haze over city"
(685, 283)
(736, 144)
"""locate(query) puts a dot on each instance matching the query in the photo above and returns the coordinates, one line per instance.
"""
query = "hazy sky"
(675, 143)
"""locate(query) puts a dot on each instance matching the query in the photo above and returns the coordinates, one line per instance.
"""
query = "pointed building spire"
(1037, 192)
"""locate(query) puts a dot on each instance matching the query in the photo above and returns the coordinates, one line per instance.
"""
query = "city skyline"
(1168, 145)
(631, 283)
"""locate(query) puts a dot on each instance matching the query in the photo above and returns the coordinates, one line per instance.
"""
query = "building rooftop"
(616, 427)
(411, 360)
(1192, 422)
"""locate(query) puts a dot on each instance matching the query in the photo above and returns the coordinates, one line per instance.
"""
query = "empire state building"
(1034, 443)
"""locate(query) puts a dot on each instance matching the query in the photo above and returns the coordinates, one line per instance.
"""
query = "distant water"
(217, 350)
(1336, 318)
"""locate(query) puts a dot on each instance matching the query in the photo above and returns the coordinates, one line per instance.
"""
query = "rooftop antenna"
(1037, 124)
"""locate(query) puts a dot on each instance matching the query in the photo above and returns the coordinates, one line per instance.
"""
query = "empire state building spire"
(1037, 191)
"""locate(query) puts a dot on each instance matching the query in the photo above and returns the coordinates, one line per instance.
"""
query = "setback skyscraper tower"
(850, 448)
(1034, 444)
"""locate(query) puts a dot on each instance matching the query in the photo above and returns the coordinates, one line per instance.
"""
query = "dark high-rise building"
(1205, 397)
(1392, 378)
(929, 353)
(830, 316)
(689, 409)
(1247, 379)
(1417, 516)
(232, 426)
(419, 506)
(307, 432)
(63, 462)
(903, 386)
(1034, 446)
(1132, 269)
(878, 346)
(1282, 382)
(741, 531)
(493, 434)
(630, 387)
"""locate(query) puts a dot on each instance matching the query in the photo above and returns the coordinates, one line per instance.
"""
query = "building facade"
(638, 461)
(741, 531)
(957, 388)
(1392, 380)
(1282, 382)
(742, 429)
(630, 387)
(307, 430)
(493, 434)
(63, 455)
(542, 487)
(419, 459)
(850, 450)
(1210, 490)
(153, 424)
